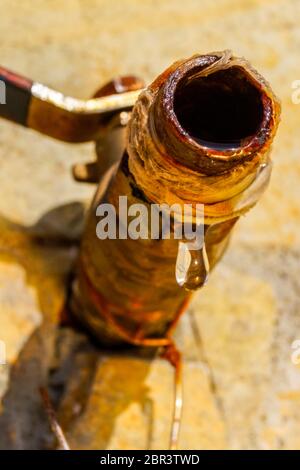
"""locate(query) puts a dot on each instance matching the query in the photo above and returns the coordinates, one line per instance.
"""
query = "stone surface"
(241, 388)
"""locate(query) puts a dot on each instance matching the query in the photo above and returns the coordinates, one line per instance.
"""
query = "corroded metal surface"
(126, 289)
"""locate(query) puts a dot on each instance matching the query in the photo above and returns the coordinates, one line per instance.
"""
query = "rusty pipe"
(200, 133)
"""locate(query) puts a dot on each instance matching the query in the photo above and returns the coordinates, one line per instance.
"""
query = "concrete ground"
(242, 389)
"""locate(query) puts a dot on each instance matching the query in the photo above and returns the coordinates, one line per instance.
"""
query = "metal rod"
(55, 427)
(50, 112)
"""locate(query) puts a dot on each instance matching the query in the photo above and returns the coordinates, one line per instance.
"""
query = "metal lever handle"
(49, 112)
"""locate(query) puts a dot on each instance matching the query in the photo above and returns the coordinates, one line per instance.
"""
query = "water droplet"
(192, 266)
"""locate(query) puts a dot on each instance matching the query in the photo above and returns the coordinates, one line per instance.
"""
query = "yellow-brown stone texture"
(242, 390)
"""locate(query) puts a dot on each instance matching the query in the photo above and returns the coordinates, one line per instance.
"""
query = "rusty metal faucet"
(199, 134)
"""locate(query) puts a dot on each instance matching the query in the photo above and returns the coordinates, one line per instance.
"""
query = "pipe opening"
(220, 111)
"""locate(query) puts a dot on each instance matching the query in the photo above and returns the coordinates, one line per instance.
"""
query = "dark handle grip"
(15, 96)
